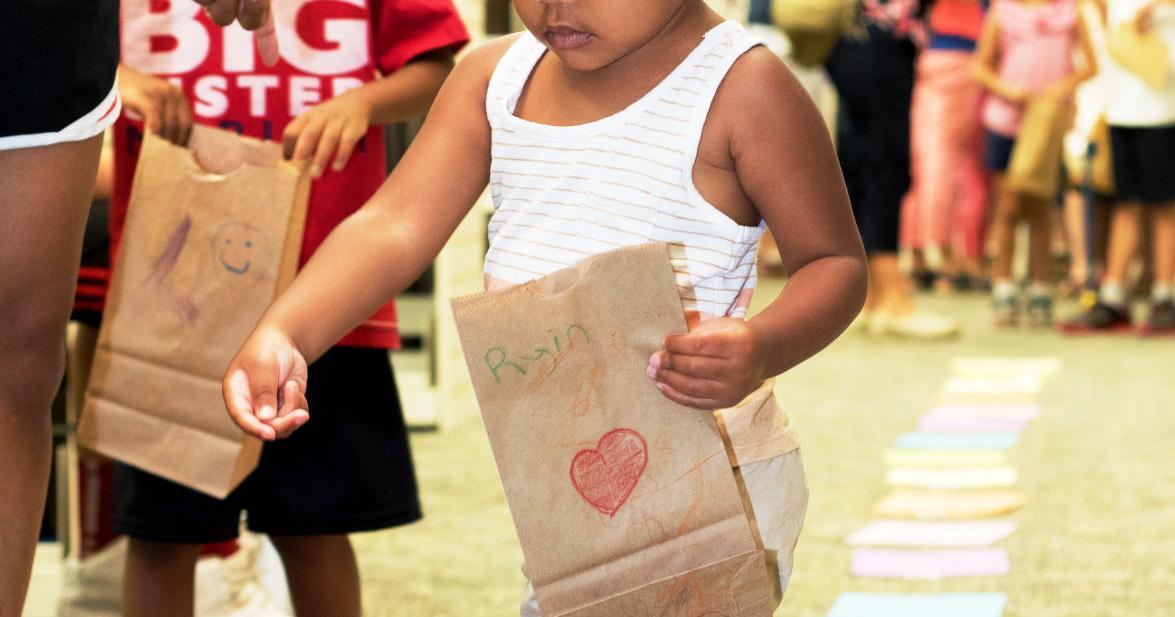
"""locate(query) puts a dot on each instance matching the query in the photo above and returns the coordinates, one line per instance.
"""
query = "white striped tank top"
(565, 193)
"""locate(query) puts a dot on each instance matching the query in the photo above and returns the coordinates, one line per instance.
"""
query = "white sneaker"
(919, 325)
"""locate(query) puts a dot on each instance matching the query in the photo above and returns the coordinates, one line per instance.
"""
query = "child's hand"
(332, 127)
(1142, 20)
(164, 107)
(265, 386)
(714, 366)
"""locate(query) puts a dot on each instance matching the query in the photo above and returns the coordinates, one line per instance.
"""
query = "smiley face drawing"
(237, 248)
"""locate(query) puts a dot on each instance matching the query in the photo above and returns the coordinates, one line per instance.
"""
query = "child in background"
(1142, 137)
(1027, 51)
(345, 69)
(608, 123)
(944, 214)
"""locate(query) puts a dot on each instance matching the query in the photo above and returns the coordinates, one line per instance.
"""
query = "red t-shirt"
(327, 48)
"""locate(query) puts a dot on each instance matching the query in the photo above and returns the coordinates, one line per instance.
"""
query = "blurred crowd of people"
(961, 122)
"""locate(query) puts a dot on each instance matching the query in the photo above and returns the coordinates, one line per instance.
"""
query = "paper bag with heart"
(624, 502)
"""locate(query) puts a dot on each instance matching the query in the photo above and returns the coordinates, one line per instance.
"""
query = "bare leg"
(322, 573)
(1040, 220)
(1003, 231)
(44, 195)
(1164, 243)
(1074, 218)
(159, 579)
(891, 287)
(1125, 228)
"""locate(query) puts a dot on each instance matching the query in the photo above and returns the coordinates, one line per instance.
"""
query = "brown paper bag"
(624, 502)
(1035, 167)
(212, 234)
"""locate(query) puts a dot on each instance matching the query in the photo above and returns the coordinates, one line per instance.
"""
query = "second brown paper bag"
(624, 502)
(213, 232)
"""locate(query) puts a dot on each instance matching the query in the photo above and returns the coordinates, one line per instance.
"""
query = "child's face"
(591, 34)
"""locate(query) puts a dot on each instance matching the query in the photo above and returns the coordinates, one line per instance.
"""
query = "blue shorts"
(997, 152)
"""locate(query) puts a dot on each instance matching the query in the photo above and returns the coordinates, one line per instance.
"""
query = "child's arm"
(1087, 68)
(784, 161)
(373, 255)
(334, 126)
(985, 67)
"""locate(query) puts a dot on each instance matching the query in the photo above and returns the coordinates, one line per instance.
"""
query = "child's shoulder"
(480, 62)
(758, 88)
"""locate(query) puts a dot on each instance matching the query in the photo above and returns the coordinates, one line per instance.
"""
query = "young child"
(345, 69)
(1142, 137)
(1026, 51)
(607, 123)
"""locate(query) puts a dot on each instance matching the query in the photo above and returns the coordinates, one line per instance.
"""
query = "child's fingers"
(307, 141)
(222, 12)
(293, 398)
(347, 145)
(252, 13)
(185, 120)
(290, 136)
(172, 123)
(238, 399)
(287, 424)
(327, 144)
(697, 366)
(694, 344)
(688, 401)
(695, 387)
(266, 38)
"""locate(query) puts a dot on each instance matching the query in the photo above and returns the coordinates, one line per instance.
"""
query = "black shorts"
(997, 152)
(347, 470)
(1144, 163)
(57, 64)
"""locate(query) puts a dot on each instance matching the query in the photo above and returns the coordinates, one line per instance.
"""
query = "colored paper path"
(979, 477)
(944, 458)
(931, 533)
(930, 504)
(957, 441)
(987, 412)
(946, 423)
(919, 605)
(907, 564)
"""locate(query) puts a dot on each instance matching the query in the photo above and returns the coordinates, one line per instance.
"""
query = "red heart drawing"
(606, 476)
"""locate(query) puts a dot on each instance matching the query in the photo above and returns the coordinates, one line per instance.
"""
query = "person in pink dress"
(1026, 52)
(944, 213)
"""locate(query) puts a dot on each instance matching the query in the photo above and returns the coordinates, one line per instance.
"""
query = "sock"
(1003, 289)
(1040, 290)
(1161, 292)
(1111, 293)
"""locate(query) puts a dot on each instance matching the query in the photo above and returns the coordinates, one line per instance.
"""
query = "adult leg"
(44, 194)
(159, 579)
(322, 573)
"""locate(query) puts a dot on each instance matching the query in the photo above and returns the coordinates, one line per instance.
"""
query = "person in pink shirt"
(1026, 52)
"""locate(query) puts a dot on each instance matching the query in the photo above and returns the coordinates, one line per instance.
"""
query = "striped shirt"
(564, 193)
